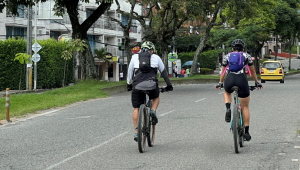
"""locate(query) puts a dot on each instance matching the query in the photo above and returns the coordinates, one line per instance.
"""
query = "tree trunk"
(290, 57)
(197, 54)
(164, 56)
(127, 46)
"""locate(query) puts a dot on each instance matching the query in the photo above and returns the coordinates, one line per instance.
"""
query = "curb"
(123, 88)
(2, 94)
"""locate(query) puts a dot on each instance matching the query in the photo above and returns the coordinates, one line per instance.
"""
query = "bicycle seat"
(235, 88)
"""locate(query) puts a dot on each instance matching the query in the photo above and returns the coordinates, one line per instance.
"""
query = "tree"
(101, 55)
(231, 13)
(88, 68)
(131, 15)
(254, 37)
(168, 16)
(22, 58)
(73, 47)
(287, 23)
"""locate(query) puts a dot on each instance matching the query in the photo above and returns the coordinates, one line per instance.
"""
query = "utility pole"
(297, 40)
(29, 51)
(35, 55)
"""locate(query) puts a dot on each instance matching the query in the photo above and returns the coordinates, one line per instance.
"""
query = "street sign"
(38, 47)
(38, 57)
(172, 57)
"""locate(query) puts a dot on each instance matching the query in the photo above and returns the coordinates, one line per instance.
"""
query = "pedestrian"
(188, 71)
(121, 75)
(198, 70)
(182, 72)
(175, 71)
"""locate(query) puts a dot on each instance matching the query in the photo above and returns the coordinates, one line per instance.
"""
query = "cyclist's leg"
(228, 84)
(244, 97)
(154, 95)
(135, 117)
(245, 107)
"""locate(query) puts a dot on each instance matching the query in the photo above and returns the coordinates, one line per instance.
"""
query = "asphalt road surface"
(191, 133)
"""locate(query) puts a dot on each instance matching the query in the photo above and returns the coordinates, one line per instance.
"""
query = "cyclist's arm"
(251, 67)
(130, 72)
(224, 65)
(253, 72)
(163, 71)
(222, 76)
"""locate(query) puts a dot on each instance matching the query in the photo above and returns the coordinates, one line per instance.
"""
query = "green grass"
(21, 104)
(298, 131)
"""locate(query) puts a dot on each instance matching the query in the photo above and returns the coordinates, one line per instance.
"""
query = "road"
(191, 133)
(295, 63)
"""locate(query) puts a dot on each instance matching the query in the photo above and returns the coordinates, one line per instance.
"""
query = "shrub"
(207, 59)
(49, 69)
(206, 71)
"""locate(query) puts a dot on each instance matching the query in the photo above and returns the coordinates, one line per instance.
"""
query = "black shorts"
(238, 80)
(137, 97)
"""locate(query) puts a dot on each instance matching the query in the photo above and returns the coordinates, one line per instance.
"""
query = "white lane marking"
(281, 153)
(80, 117)
(296, 147)
(200, 100)
(295, 160)
(80, 153)
(167, 113)
(221, 93)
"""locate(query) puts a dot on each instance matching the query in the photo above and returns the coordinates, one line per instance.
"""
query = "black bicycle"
(145, 126)
(237, 124)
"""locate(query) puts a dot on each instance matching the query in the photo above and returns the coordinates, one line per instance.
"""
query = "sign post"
(36, 47)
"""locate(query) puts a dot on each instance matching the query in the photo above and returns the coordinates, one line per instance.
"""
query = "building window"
(92, 42)
(14, 32)
(55, 34)
(21, 11)
(125, 19)
(9, 32)
(89, 12)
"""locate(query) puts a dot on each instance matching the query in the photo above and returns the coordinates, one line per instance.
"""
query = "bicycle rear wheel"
(235, 128)
(142, 126)
(151, 135)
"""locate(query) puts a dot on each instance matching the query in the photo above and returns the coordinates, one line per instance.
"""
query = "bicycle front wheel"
(151, 135)
(242, 129)
(235, 128)
(142, 128)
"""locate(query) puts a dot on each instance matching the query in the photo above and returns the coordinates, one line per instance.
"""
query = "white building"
(104, 31)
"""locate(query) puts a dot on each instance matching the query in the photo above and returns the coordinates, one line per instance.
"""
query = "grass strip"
(21, 104)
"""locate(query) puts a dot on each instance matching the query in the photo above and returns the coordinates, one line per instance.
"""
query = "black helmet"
(238, 43)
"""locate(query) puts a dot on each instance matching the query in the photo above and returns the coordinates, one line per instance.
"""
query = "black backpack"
(145, 62)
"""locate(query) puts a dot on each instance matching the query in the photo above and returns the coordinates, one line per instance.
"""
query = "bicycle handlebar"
(250, 87)
(163, 90)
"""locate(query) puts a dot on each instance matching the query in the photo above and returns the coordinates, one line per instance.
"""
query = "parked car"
(272, 71)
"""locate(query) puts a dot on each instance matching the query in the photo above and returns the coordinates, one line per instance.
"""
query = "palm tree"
(101, 55)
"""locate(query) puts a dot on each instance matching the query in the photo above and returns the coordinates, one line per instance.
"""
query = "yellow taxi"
(272, 71)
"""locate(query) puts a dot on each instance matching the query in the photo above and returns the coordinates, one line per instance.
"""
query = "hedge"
(50, 68)
(207, 59)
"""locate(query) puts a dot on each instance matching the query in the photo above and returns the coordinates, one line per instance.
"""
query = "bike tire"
(151, 135)
(242, 130)
(142, 124)
(235, 128)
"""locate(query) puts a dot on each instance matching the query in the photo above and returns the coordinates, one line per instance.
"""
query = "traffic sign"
(172, 57)
(38, 47)
(38, 57)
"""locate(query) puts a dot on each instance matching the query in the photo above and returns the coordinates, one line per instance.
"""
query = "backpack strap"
(225, 70)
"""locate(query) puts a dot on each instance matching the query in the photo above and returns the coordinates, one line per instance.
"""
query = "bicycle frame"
(237, 101)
